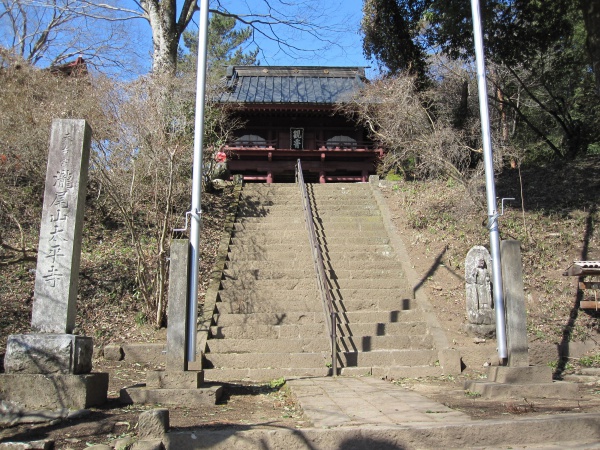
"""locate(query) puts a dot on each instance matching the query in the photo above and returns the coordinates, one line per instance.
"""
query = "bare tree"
(49, 32)
(35, 25)
(414, 126)
(143, 163)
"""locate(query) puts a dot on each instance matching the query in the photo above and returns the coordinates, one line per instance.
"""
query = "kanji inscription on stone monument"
(59, 249)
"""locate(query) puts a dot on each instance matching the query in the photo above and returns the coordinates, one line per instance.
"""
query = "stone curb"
(441, 341)
(210, 299)
(480, 434)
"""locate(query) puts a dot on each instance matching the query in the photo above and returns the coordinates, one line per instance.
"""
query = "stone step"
(344, 300)
(285, 317)
(348, 247)
(382, 329)
(359, 220)
(268, 331)
(309, 272)
(264, 285)
(250, 264)
(387, 358)
(339, 187)
(270, 318)
(391, 316)
(310, 283)
(252, 331)
(265, 360)
(351, 266)
(304, 345)
(340, 227)
(371, 343)
(330, 258)
(351, 300)
(273, 238)
(268, 306)
(350, 208)
(263, 375)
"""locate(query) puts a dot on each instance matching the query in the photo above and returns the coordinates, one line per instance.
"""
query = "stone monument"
(481, 314)
(50, 368)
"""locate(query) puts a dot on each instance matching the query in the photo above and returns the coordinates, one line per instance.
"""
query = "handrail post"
(333, 343)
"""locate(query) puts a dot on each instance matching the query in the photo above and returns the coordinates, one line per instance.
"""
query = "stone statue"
(480, 307)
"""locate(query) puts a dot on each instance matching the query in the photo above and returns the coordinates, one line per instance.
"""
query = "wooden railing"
(330, 313)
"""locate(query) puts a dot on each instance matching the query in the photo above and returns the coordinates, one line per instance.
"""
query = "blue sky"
(341, 48)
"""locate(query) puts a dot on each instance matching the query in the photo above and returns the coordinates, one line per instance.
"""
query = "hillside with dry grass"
(555, 217)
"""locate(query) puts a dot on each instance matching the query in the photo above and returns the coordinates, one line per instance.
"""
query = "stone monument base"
(208, 395)
(46, 353)
(484, 331)
(521, 382)
(54, 391)
(174, 379)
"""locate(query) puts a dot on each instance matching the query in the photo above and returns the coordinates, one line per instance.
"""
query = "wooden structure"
(584, 269)
(290, 114)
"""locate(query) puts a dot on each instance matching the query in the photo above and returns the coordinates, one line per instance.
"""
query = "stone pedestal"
(521, 382)
(54, 391)
(177, 384)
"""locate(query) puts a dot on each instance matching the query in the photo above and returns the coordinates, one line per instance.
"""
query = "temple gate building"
(289, 113)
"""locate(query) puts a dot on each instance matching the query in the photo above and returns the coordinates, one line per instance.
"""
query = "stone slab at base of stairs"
(521, 382)
(547, 432)
(140, 394)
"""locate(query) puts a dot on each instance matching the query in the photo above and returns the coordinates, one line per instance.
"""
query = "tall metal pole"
(197, 184)
(490, 184)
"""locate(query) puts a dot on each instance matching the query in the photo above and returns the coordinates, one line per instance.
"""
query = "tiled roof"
(277, 84)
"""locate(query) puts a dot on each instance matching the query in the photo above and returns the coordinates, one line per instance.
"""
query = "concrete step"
(304, 345)
(393, 372)
(265, 360)
(388, 358)
(263, 375)
(382, 329)
(311, 283)
(269, 331)
(270, 318)
(371, 343)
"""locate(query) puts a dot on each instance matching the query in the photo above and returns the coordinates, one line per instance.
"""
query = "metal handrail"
(330, 313)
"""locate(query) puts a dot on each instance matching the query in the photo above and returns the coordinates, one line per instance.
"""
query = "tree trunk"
(591, 17)
(165, 35)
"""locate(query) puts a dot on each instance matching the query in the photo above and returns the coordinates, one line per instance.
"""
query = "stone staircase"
(269, 320)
